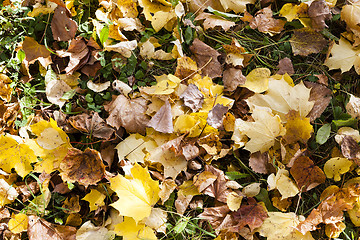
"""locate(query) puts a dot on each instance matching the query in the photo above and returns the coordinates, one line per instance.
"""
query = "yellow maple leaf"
(262, 132)
(95, 199)
(282, 97)
(130, 230)
(51, 145)
(18, 223)
(337, 166)
(16, 155)
(292, 11)
(136, 195)
(159, 13)
(343, 56)
(236, 6)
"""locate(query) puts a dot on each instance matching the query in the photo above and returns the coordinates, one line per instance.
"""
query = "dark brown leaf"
(39, 229)
(206, 59)
(265, 22)
(306, 41)
(218, 188)
(215, 215)
(350, 149)
(259, 162)
(62, 26)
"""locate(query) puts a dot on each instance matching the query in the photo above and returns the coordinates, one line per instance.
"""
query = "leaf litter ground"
(179, 119)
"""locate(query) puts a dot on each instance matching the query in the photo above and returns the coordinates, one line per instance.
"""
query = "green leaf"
(181, 225)
(236, 175)
(323, 134)
(104, 34)
(222, 14)
(68, 95)
(345, 123)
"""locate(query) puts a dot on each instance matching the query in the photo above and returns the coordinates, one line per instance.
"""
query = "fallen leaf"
(215, 215)
(136, 195)
(291, 11)
(34, 51)
(62, 26)
(347, 131)
(285, 66)
(125, 48)
(5, 88)
(193, 98)
(157, 220)
(185, 68)
(39, 229)
(306, 174)
(85, 167)
(335, 167)
(353, 106)
(89, 231)
(252, 214)
(343, 56)
(147, 50)
(16, 155)
(281, 226)
(18, 223)
(95, 199)
(233, 201)
(260, 163)
(212, 21)
(98, 87)
(321, 96)
(166, 188)
(233, 78)
(297, 128)
(319, 11)
(306, 41)
(127, 113)
(263, 131)
(282, 97)
(350, 14)
(218, 188)
(71, 205)
(162, 120)
(206, 59)
(92, 124)
(283, 184)
(265, 22)
(130, 230)
(204, 180)
(216, 116)
(8, 193)
(350, 149)
(257, 80)
(251, 190)
(236, 6)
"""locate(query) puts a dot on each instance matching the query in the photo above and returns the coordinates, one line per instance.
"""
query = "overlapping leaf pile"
(244, 148)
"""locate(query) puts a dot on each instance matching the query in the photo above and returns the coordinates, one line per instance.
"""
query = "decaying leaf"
(85, 167)
(62, 26)
(233, 78)
(306, 174)
(193, 98)
(350, 14)
(89, 231)
(285, 66)
(306, 41)
(206, 59)
(319, 11)
(350, 149)
(260, 162)
(265, 22)
(212, 21)
(321, 96)
(353, 106)
(216, 116)
(34, 51)
(39, 229)
(162, 120)
(127, 113)
(136, 195)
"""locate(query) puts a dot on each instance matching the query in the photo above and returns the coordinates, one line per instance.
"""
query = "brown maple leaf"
(306, 174)
(265, 22)
(252, 214)
(218, 188)
(39, 229)
(34, 51)
(216, 215)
